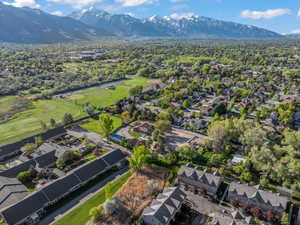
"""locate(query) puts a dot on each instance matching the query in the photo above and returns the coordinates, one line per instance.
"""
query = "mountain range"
(26, 25)
(35, 26)
(185, 27)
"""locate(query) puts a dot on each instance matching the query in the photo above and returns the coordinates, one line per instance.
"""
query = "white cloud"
(57, 13)
(76, 3)
(179, 16)
(175, 1)
(23, 3)
(268, 14)
(297, 31)
(130, 3)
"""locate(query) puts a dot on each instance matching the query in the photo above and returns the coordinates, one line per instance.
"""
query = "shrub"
(25, 176)
(96, 213)
(112, 206)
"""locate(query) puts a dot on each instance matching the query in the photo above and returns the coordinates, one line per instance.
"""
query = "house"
(29, 209)
(233, 218)
(164, 208)
(199, 180)
(11, 191)
(255, 196)
(10, 150)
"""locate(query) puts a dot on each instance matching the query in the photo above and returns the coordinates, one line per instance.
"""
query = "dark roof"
(11, 191)
(15, 147)
(46, 159)
(61, 186)
(18, 212)
(31, 204)
(91, 169)
(43, 161)
(114, 157)
(14, 171)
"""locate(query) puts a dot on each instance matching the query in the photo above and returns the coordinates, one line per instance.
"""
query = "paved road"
(79, 199)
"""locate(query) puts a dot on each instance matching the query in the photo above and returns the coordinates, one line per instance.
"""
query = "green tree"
(163, 126)
(186, 104)
(68, 118)
(95, 213)
(139, 158)
(108, 191)
(25, 176)
(106, 124)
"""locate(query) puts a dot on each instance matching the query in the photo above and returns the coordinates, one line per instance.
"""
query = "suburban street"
(50, 219)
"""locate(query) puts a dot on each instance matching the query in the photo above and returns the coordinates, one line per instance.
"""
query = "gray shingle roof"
(199, 175)
(24, 208)
(114, 157)
(19, 211)
(166, 204)
(61, 186)
(255, 193)
(11, 191)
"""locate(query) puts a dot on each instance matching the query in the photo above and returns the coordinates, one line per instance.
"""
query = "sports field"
(28, 122)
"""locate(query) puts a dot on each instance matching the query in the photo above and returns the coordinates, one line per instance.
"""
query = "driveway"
(50, 219)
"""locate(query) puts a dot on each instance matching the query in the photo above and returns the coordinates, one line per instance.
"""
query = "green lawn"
(80, 215)
(28, 123)
(6, 103)
(107, 97)
(93, 125)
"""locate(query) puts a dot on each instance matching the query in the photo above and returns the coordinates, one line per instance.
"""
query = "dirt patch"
(136, 195)
(155, 81)
(74, 97)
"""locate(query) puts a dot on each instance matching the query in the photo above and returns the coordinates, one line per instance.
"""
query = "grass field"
(28, 123)
(93, 125)
(80, 215)
(6, 103)
(106, 97)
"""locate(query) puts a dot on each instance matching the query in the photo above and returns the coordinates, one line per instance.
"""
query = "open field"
(28, 122)
(106, 97)
(93, 125)
(80, 215)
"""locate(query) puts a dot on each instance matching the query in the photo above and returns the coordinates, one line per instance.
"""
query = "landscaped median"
(80, 215)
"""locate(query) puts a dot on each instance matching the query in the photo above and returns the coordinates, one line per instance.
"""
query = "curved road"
(50, 219)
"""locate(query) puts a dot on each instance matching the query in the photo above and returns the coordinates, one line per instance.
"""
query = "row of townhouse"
(163, 209)
(29, 210)
(243, 194)
(10, 150)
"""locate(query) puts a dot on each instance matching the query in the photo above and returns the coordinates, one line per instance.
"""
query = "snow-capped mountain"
(26, 25)
(175, 25)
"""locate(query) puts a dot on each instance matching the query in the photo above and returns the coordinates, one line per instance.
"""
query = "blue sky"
(282, 16)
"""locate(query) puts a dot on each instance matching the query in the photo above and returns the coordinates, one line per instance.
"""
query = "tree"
(186, 104)
(89, 109)
(95, 213)
(25, 176)
(106, 124)
(284, 219)
(139, 158)
(108, 190)
(29, 148)
(112, 206)
(53, 123)
(68, 118)
(135, 91)
(163, 126)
